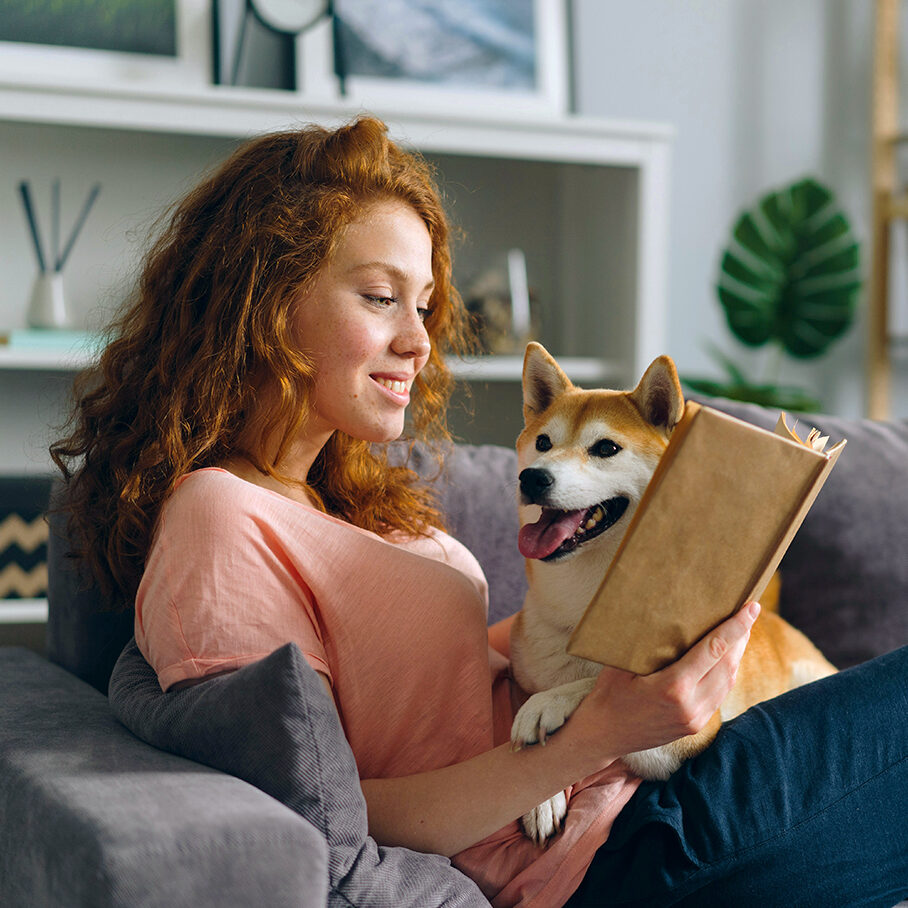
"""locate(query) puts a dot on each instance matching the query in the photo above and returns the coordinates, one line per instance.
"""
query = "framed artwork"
(494, 57)
(106, 42)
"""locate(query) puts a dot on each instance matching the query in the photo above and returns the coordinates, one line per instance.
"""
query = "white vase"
(47, 306)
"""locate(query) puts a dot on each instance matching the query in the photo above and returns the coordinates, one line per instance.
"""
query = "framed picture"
(493, 57)
(106, 42)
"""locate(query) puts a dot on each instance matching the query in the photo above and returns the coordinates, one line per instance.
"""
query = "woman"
(227, 478)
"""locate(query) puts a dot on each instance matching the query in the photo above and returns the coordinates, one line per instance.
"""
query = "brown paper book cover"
(721, 509)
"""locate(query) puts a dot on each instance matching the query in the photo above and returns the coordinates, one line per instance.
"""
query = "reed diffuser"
(47, 305)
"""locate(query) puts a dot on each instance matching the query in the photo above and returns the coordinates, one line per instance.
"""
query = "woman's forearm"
(447, 810)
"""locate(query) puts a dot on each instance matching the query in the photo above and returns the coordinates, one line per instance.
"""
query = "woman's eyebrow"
(390, 268)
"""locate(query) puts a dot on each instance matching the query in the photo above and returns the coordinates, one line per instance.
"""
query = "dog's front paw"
(542, 822)
(546, 712)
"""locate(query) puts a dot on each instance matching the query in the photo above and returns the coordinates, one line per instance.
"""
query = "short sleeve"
(219, 589)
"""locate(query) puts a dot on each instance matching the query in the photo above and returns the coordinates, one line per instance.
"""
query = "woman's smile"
(399, 388)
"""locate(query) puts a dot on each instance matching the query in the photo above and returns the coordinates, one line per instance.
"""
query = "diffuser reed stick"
(59, 257)
(31, 217)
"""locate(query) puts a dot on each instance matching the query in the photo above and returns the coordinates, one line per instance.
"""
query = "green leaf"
(791, 272)
(780, 397)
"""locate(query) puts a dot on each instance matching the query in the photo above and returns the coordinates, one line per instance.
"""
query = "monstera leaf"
(791, 271)
(737, 387)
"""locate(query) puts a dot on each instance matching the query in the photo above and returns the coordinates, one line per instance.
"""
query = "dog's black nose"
(534, 482)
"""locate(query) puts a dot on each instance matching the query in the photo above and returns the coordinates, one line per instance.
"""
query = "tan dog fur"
(639, 422)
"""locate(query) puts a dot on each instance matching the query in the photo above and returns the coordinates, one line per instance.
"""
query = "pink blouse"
(398, 625)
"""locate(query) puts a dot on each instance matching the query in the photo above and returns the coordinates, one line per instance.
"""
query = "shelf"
(238, 112)
(510, 368)
(44, 360)
(63, 352)
(23, 611)
(483, 368)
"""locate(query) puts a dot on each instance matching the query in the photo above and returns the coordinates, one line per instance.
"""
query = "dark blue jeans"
(802, 801)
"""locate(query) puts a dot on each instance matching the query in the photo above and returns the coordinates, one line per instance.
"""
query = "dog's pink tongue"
(540, 539)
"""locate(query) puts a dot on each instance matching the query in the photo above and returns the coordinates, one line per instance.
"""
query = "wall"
(761, 92)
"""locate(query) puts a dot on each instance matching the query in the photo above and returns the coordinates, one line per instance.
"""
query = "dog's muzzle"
(534, 483)
(559, 532)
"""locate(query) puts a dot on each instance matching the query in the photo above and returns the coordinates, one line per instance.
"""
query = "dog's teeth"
(594, 518)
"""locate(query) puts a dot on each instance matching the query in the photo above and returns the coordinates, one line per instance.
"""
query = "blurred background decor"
(789, 278)
(106, 42)
(254, 42)
(23, 538)
(130, 26)
(467, 56)
(47, 304)
(503, 308)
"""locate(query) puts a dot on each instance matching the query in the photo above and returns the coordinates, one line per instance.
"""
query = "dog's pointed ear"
(658, 397)
(543, 381)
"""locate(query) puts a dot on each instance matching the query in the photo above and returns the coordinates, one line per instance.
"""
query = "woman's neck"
(243, 468)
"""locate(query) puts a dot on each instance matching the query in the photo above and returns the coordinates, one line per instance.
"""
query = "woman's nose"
(412, 339)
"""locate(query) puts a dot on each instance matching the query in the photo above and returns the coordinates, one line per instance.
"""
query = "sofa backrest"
(844, 579)
(85, 633)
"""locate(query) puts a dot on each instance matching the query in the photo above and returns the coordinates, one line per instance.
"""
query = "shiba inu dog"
(585, 458)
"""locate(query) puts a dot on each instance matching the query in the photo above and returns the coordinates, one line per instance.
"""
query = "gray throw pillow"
(273, 725)
(845, 576)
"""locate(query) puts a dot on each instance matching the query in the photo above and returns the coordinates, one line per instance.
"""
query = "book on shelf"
(51, 340)
(721, 509)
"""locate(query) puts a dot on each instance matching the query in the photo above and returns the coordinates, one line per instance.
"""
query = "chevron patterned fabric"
(23, 537)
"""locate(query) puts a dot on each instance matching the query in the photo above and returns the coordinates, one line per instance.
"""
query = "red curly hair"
(206, 349)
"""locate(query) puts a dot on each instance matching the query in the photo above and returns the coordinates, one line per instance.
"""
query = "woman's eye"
(381, 301)
(423, 313)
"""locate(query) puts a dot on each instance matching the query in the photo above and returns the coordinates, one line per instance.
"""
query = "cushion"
(272, 724)
(845, 576)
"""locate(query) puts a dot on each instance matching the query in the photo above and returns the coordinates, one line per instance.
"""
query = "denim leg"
(800, 802)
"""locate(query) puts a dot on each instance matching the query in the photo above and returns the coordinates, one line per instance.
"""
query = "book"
(723, 505)
(51, 339)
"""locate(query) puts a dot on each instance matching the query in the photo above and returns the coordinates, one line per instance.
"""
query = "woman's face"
(362, 324)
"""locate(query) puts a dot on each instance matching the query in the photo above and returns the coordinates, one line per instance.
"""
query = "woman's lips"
(397, 388)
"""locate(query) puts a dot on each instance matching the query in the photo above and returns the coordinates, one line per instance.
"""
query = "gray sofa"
(242, 791)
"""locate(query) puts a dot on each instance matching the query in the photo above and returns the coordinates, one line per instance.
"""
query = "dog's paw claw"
(544, 821)
(543, 714)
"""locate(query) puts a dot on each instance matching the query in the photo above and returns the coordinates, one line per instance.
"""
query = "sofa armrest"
(93, 816)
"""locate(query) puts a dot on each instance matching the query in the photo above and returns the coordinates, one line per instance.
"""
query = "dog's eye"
(543, 443)
(605, 447)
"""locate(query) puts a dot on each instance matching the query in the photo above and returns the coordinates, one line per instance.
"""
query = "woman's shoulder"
(205, 490)
(214, 499)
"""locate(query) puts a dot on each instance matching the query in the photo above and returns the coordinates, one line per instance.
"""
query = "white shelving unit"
(587, 200)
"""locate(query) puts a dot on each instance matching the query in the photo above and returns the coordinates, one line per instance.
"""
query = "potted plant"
(789, 277)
